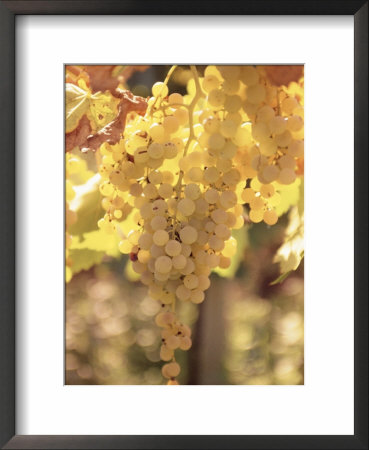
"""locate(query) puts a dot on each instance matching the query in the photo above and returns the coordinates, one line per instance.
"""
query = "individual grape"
(257, 203)
(170, 150)
(160, 237)
(289, 104)
(211, 196)
(216, 141)
(188, 235)
(267, 190)
(186, 207)
(166, 354)
(163, 264)
(157, 250)
(141, 156)
(232, 177)
(216, 98)
(228, 199)
(189, 267)
(219, 216)
(204, 282)
(186, 250)
(296, 149)
(159, 89)
(172, 342)
(171, 370)
(211, 125)
(295, 123)
(277, 125)
(183, 293)
(182, 116)
(165, 190)
(179, 262)
(229, 150)
(175, 99)
(197, 296)
(158, 223)
(231, 86)
(284, 139)
(170, 124)
(287, 176)
(256, 93)
(195, 174)
(125, 246)
(143, 256)
(247, 195)
(192, 191)
(210, 82)
(228, 128)
(260, 131)
(150, 191)
(173, 248)
(268, 147)
(256, 215)
(222, 231)
(106, 188)
(216, 243)
(265, 114)
(191, 281)
(287, 161)
(185, 343)
(270, 173)
(270, 217)
(164, 319)
(155, 150)
(224, 262)
(229, 72)
(249, 75)
(233, 103)
(157, 132)
(155, 177)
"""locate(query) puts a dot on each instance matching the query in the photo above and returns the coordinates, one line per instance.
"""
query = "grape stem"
(165, 82)
(199, 93)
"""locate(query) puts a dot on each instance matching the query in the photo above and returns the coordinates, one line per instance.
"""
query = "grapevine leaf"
(242, 243)
(87, 205)
(290, 195)
(77, 137)
(111, 133)
(283, 75)
(103, 108)
(76, 106)
(99, 241)
(84, 259)
(291, 252)
(128, 224)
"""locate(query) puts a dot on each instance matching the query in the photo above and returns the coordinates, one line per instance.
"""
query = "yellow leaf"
(128, 225)
(76, 105)
(103, 108)
(87, 205)
(84, 259)
(290, 195)
(291, 252)
(99, 241)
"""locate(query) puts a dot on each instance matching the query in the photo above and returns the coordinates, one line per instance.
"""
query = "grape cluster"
(183, 173)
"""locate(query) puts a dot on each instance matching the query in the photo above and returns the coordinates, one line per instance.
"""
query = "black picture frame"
(8, 12)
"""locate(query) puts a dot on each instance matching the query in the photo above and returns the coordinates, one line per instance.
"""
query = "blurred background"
(247, 331)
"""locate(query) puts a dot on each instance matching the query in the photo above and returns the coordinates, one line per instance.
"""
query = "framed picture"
(174, 135)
